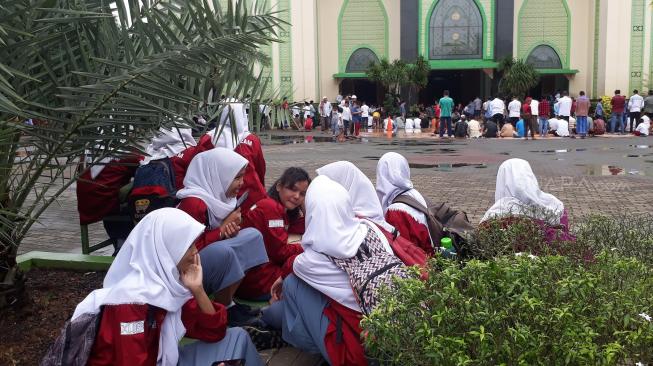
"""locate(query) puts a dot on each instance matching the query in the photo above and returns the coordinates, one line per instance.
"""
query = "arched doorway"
(456, 31)
(545, 57)
(364, 89)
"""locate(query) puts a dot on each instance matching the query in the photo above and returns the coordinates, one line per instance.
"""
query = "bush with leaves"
(523, 310)
(627, 235)
(607, 106)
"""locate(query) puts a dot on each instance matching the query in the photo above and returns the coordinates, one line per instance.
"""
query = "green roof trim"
(350, 75)
(462, 64)
(557, 71)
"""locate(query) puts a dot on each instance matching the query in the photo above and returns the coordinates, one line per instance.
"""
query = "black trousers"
(634, 116)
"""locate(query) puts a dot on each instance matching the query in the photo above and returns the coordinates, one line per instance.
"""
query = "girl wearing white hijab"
(211, 185)
(393, 180)
(153, 295)
(361, 190)
(518, 192)
(244, 143)
(320, 310)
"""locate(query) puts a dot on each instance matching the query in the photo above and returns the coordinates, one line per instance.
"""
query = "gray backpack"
(74, 344)
(370, 269)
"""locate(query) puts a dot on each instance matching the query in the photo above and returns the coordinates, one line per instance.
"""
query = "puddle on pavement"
(558, 151)
(641, 146)
(446, 166)
(607, 170)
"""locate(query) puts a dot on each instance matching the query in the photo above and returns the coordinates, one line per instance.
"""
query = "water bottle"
(446, 248)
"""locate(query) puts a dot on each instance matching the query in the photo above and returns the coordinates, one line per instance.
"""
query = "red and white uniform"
(245, 144)
(411, 224)
(97, 192)
(393, 180)
(122, 341)
(270, 218)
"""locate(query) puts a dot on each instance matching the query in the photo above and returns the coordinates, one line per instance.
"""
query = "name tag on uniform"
(131, 328)
(275, 223)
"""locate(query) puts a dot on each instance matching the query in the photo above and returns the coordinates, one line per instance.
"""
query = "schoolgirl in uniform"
(244, 143)
(276, 217)
(393, 180)
(320, 312)
(211, 185)
(153, 295)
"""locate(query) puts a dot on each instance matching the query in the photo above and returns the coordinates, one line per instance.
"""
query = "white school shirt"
(535, 108)
(497, 106)
(635, 103)
(346, 113)
(514, 108)
(365, 111)
(564, 108)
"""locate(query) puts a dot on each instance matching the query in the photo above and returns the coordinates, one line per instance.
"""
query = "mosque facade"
(596, 46)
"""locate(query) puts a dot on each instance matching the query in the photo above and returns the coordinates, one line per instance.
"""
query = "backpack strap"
(410, 201)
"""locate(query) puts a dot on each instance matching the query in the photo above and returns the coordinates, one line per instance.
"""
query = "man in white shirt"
(474, 129)
(564, 109)
(514, 111)
(497, 107)
(553, 124)
(635, 105)
(346, 118)
(365, 114)
(325, 113)
(563, 128)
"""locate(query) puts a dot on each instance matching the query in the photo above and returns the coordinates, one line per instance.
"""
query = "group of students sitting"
(179, 269)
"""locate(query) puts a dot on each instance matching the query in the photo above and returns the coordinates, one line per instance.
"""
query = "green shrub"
(518, 311)
(607, 106)
(626, 234)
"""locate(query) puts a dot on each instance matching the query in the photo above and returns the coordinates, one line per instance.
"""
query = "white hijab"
(393, 178)
(328, 201)
(227, 138)
(145, 272)
(365, 202)
(208, 178)
(517, 190)
(168, 144)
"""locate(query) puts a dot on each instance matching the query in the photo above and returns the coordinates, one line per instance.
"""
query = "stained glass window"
(360, 60)
(544, 57)
(456, 30)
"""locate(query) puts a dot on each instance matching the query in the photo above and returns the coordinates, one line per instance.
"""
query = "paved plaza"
(597, 175)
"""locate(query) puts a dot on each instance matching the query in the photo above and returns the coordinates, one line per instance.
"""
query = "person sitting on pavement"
(491, 130)
(276, 217)
(461, 127)
(209, 196)
(474, 129)
(409, 127)
(518, 193)
(562, 129)
(154, 294)
(644, 128)
(392, 181)
(508, 130)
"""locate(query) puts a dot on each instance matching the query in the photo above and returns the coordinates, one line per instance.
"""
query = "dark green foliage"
(518, 311)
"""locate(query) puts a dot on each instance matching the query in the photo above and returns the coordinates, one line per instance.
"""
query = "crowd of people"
(227, 237)
(557, 115)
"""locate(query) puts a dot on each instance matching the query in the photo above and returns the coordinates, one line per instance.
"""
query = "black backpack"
(442, 221)
(154, 187)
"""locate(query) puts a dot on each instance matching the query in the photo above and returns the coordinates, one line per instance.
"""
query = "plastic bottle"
(447, 249)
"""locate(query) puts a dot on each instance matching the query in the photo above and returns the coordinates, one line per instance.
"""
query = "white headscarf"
(328, 201)
(168, 144)
(227, 138)
(365, 202)
(145, 272)
(393, 178)
(208, 178)
(518, 190)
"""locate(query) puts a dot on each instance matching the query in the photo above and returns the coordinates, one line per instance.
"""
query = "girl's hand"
(192, 276)
(276, 290)
(229, 230)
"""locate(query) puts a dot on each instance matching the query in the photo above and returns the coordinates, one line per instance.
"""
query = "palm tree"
(517, 77)
(99, 75)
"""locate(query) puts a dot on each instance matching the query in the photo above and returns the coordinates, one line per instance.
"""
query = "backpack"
(371, 268)
(154, 187)
(74, 344)
(442, 221)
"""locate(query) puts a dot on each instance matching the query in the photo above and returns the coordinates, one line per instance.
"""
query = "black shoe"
(238, 316)
(244, 308)
(265, 337)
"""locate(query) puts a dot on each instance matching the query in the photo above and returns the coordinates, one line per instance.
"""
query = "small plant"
(517, 310)
(607, 106)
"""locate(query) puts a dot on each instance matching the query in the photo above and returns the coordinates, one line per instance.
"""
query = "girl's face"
(187, 259)
(237, 183)
(292, 197)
